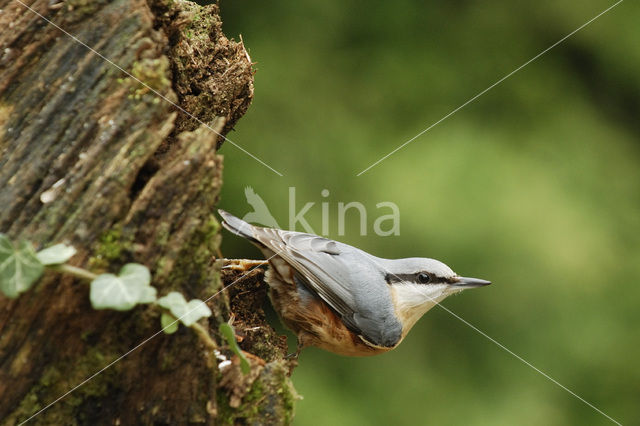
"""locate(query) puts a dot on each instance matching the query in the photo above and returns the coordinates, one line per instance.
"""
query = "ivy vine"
(21, 267)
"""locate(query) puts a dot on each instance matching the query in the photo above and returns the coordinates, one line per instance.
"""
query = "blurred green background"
(535, 186)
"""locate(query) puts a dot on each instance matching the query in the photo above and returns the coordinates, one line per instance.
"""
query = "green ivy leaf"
(55, 255)
(187, 313)
(230, 336)
(124, 291)
(169, 323)
(19, 268)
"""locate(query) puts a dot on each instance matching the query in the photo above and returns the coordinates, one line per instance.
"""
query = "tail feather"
(237, 225)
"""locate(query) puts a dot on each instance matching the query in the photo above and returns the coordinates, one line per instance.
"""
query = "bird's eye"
(423, 278)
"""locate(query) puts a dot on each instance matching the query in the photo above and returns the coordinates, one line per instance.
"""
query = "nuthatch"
(342, 299)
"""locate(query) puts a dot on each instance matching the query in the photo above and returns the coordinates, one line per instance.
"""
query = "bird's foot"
(243, 264)
(296, 354)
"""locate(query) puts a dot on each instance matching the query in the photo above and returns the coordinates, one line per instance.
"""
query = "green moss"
(163, 232)
(248, 411)
(154, 73)
(29, 405)
(58, 380)
(51, 375)
(94, 360)
(270, 400)
(212, 233)
(194, 262)
(111, 248)
(289, 397)
(225, 414)
(202, 21)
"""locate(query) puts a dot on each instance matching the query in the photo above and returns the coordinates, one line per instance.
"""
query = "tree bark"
(91, 157)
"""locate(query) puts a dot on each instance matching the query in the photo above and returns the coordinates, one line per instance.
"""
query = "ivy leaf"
(55, 255)
(169, 323)
(230, 336)
(187, 313)
(19, 267)
(124, 291)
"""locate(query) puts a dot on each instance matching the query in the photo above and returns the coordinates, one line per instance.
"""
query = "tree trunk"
(92, 157)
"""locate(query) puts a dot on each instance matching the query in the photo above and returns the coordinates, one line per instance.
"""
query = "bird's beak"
(466, 282)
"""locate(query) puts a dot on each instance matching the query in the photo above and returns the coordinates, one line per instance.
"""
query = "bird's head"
(418, 284)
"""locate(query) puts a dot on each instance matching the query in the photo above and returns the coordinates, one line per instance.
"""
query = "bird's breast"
(312, 319)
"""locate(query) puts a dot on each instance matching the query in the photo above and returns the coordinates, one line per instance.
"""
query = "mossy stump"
(93, 154)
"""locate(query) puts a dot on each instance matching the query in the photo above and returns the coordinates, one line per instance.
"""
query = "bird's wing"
(343, 276)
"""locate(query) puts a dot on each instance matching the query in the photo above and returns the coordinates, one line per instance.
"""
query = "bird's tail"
(237, 225)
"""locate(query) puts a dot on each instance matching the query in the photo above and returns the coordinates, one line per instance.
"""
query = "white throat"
(412, 301)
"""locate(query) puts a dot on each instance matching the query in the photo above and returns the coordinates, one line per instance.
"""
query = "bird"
(342, 299)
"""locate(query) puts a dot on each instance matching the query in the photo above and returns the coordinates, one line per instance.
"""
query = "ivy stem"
(203, 334)
(74, 270)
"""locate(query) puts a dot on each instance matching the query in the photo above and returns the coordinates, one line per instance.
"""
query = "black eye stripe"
(413, 278)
